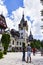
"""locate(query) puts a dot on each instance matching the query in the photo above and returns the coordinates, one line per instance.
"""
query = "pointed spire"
(22, 20)
(30, 37)
(30, 32)
(23, 17)
(23, 13)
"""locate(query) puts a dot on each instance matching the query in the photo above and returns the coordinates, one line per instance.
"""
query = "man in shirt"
(28, 53)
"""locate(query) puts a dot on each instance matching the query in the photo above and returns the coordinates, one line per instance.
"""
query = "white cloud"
(9, 23)
(1, 2)
(17, 15)
(32, 9)
(3, 9)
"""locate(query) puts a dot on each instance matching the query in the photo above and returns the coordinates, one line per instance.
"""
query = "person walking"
(28, 53)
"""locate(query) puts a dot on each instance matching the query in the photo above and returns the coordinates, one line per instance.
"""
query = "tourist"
(28, 53)
(23, 46)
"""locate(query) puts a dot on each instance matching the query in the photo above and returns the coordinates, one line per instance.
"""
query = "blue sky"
(13, 11)
(13, 5)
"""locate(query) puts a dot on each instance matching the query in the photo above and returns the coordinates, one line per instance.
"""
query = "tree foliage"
(5, 41)
(1, 55)
(35, 44)
(42, 43)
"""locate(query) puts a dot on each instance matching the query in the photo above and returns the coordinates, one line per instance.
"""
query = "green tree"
(42, 43)
(35, 44)
(38, 44)
(5, 41)
(1, 54)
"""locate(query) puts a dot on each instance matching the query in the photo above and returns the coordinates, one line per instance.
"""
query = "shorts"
(28, 54)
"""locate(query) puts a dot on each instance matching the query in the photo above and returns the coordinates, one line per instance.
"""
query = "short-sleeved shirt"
(28, 51)
(28, 48)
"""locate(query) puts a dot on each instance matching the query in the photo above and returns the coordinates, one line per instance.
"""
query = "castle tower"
(23, 24)
(23, 29)
(30, 36)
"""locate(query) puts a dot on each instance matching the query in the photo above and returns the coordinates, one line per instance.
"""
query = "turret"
(23, 24)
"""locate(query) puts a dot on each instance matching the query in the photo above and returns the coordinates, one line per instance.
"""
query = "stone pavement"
(15, 58)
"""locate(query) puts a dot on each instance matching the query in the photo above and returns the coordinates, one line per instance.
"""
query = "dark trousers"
(23, 59)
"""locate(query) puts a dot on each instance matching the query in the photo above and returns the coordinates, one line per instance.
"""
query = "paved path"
(16, 59)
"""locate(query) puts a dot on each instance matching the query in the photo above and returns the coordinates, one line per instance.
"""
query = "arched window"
(13, 42)
(20, 43)
(17, 42)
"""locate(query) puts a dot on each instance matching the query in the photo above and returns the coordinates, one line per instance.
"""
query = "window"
(42, 13)
(20, 48)
(21, 33)
(17, 48)
(42, 19)
(0, 29)
(21, 37)
(13, 42)
(20, 43)
(17, 43)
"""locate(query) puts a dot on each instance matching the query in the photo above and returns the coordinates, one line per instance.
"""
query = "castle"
(20, 36)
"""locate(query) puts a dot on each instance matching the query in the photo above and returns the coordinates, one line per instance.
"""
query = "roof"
(23, 23)
(3, 22)
(14, 33)
(30, 38)
(22, 20)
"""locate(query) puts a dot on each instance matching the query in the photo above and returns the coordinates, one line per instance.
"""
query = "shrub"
(1, 55)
